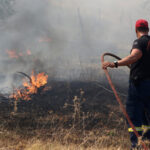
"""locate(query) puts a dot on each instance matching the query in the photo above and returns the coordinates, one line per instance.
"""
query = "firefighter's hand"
(107, 64)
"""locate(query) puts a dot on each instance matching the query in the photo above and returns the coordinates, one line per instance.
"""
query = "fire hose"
(118, 98)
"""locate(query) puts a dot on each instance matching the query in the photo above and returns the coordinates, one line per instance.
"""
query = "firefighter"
(138, 101)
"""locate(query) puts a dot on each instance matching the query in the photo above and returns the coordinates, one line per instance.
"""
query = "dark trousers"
(138, 107)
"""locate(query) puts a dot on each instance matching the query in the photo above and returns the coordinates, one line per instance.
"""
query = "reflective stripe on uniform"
(145, 127)
(137, 129)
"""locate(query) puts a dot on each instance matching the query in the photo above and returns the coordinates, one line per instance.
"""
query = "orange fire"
(12, 53)
(28, 52)
(30, 88)
(44, 39)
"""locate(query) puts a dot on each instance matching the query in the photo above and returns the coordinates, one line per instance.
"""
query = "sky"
(66, 38)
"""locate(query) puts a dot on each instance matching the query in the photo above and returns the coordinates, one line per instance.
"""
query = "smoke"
(65, 37)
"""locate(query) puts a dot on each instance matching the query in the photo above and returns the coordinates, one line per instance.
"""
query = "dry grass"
(11, 141)
(38, 145)
(59, 138)
(72, 128)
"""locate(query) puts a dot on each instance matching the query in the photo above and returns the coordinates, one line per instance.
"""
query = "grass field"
(74, 116)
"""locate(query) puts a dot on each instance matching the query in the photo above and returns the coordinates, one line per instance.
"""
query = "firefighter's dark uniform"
(138, 102)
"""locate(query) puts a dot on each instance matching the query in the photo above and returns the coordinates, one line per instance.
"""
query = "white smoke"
(67, 37)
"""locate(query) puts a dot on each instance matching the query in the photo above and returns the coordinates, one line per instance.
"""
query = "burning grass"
(15, 55)
(69, 116)
(31, 87)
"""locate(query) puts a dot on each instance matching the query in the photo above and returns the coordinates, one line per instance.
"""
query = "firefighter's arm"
(135, 55)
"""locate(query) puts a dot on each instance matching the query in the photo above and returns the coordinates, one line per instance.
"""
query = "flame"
(28, 52)
(12, 53)
(30, 88)
(44, 39)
